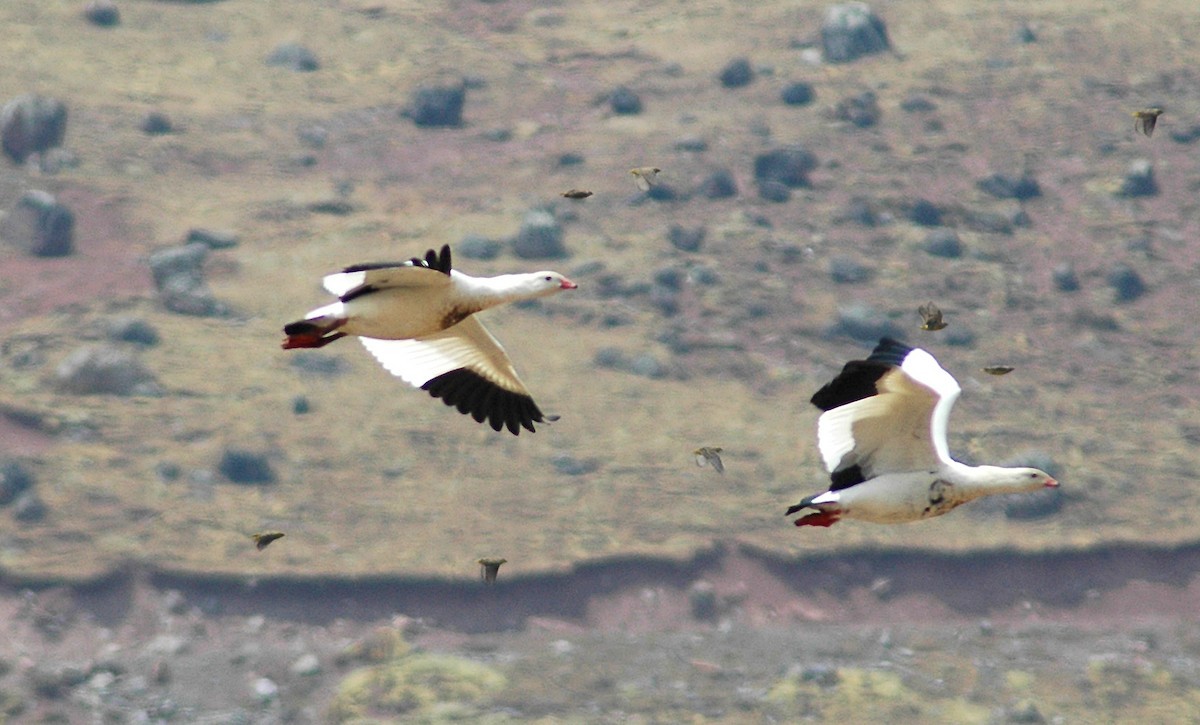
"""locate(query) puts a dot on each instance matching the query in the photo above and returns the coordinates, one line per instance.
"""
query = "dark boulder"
(850, 31)
(438, 106)
(31, 124)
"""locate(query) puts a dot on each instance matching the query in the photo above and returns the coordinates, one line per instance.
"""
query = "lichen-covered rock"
(852, 30)
(41, 225)
(861, 110)
(31, 124)
(103, 369)
(420, 687)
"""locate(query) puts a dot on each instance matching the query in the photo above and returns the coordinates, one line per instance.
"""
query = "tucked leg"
(820, 518)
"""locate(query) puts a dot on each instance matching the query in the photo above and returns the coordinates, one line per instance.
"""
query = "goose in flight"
(418, 319)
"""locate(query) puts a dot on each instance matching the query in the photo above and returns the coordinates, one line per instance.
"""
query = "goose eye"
(547, 279)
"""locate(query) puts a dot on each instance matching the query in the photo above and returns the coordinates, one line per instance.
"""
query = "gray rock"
(438, 106)
(789, 166)
(702, 599)
(475, 246)
(103, 13)
(212, 238)
(862, 110)
(859, 321)
(848, 270)
(246, 467)
(1127, 284)
(301, 405)
(1064, 277)
(695, 144)
(943, 243)
(1010, 186)
(569, 465)
(540, 237)
(306, 665)
(1024, 34)
(15, 479)
(179, 277)
(132, 329)
(720, 184)
(737, 73)
(293, 56)
(156, 123)
(41, 225)
(917, 104)
(31, 124)
(317, 364)
(798, 93)
(625, 102)
(103, 369)
(1139, 180)
(774, 191)
(29, 508)
(686, 239)
(925, 213)
(850, 31)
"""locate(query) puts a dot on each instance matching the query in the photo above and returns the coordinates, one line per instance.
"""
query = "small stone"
(625, 102)
(212, 238)
(306, 665)
(156, 123)
(300, 405)
(179, 277)
(570, 159)
(29, 508)
(569, 465)
(848, 270)
(737, 73)
(293, 56)
(686, 239)
(702, 598)
(1126, 283)
(15, 479)
(31, 124)
(798, 93)
(943, 243)
(266, 689)
(41, 225)
(1064, 277)
(540, 237)
(103, 13)
(103, 369)
(1139, 180)
(720, 184)
(925, 213)
(695, 144)
(1010, 186)
(1025, 712)
(917, 104)
(438, 106)
(862, 110)
(475, 246)
(1024, 34)
(789, 166)
(852, 30)
(774, 191)
(132, 329)
(246, 467)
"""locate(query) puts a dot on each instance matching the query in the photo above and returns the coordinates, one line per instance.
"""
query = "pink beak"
(1051, 483)
(568, 284)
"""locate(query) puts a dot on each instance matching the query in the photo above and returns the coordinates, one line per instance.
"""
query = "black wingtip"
(483, 400)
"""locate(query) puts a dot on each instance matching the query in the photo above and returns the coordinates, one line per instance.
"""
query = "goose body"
(417, 319)
(882, 437)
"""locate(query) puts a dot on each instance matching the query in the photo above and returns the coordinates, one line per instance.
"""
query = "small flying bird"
(709, 456)
(1145, 119)
(931, 317)
(264, 540)
(576, 194)
(488, 568)
(417, 318)
(644, 176)
(998, 369)
(882, 437)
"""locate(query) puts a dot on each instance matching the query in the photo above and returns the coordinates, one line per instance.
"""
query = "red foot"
(821, 518)
(310, 340)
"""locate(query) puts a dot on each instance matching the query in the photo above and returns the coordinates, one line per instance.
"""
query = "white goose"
(883, 440)
(418, 319)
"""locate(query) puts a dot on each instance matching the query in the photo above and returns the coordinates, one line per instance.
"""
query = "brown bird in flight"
(1145, 119)
(645, 176)
(264, 540)
(931, 317)
(576, 194)
(488, 568)
(998, 369)
(709, 456)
